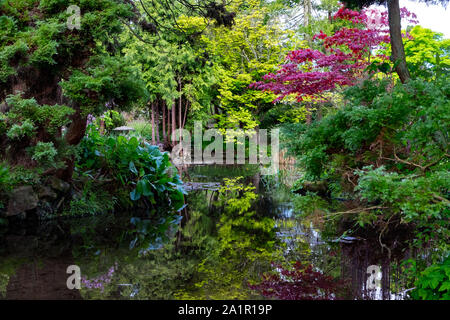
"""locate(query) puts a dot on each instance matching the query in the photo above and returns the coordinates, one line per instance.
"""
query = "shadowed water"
(219, 247)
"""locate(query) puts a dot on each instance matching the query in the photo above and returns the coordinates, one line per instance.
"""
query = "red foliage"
(299, 283)
(311, 72)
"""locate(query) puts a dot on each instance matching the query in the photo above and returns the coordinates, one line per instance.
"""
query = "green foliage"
(142, 128)
(244, 247)
(239, 219)
(386, 152)
(112, 119)
(20, 175)
(4, 182)
(2, 124)
(35, 129)
(44, 153)
(7, 53)
(91, 201)
(51, 118)
(159, 275)
(53, 66)
(4, 176)
(434, 282)
(310, 203)
(405, 194)
(253, 47)
(17, 132)
(142, 168)
(427, 53)
(371, 114)
(105, 79)
(4, 280)
(8, 267)
(176, 65)
(236, 197)
(46, 41)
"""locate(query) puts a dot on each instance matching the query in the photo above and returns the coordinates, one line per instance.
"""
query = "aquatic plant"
(139, 167)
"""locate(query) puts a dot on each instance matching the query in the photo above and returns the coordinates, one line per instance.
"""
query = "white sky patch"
(434, 17)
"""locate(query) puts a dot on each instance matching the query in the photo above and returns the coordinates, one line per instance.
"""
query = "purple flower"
(98, 282)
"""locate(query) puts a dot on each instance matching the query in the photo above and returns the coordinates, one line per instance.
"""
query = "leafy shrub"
(159, 275)
(49, 117)
(20, 131)
(384, 156)
(112, 120)
(434, 282)
(417, 112)
(402, 194)
(2, 124)
(91, 201)
(4, 181)
(141, 168)
(23, 176)
(405, 130)
(4, 176)
(33, 131)
(44, 152)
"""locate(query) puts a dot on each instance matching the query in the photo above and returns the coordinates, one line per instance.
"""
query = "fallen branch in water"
(357, 210)
(353, 211)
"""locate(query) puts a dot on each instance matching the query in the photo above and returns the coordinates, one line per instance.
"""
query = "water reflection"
(238, 227)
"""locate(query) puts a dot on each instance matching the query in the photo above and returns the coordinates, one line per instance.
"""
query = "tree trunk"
(307, 9)
(157, 121)
(180, 116)
(174, 122)
(398, 50)
(185, 113)
(180, 100)
(74, 135)
(168, 123)
(164, 121)
(153, 122)
(307, 20)
(308, 115)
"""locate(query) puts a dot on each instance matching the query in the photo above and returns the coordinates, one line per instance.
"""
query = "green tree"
(398, 51)
(177, 73)
(52, 76)
(427, 53)
(253, 47)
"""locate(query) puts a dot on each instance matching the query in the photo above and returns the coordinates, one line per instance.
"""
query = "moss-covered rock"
(21, 200)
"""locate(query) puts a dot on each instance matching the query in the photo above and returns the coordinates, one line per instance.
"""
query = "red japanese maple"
(346, 54)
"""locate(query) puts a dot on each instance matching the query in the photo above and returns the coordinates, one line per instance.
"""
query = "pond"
(238, 228)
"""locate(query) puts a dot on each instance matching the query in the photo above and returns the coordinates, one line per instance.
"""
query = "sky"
(434, 17)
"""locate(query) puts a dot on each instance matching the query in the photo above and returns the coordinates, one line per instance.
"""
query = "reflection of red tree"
(300, 283)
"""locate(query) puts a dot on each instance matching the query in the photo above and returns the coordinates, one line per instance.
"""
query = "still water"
(238, 228)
